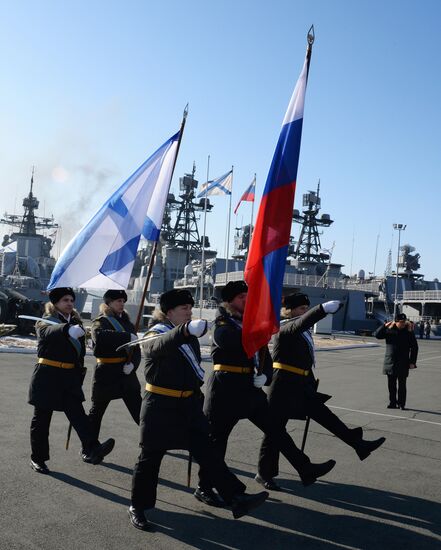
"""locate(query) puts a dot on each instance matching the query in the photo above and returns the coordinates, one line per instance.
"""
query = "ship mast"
(308, 248)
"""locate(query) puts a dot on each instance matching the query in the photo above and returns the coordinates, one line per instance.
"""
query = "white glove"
(75, 331)
(332, 306)
(133, 337)
(128, 367)
(197, 328)
(259, 380)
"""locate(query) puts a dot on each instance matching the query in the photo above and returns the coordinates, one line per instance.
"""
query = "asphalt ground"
(390, 500)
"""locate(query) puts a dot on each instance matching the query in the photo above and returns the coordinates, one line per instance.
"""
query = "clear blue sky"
(90, 89)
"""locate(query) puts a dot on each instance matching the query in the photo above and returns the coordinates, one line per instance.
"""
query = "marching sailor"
(57, 380)
(293, 390)
(234, 391)
(115, 372)
(171, 412)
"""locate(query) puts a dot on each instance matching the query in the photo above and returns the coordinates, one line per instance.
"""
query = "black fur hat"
(114, 294)
(174, 298)
(291, 301)
(232, 289)
(57, 293)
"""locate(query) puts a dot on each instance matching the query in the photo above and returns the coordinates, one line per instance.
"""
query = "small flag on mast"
(219, 186)
(249, 194)
(102, 253)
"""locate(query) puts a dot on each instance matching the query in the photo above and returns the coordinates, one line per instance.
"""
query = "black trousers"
(392, 380)
(132, 400)
(279, 416)
(221, 429)
(146, 472)
(40, 424)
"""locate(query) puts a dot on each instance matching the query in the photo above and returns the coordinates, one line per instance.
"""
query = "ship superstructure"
(26, 260)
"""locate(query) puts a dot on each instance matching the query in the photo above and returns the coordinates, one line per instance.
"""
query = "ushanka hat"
(232, 289)
(400, 317)
(57, 293)
(174, 298)
(291, 301)
(114, 294)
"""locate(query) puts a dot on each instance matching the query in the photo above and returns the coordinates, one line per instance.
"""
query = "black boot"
(364, 448)
(311, 472)
(99, 451)
(39, 466)
(138, 519)
(242, 503)
(269, 484)
(209, 497)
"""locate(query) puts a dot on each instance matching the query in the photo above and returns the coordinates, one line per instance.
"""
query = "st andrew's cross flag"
(219, 186)
(102, 253)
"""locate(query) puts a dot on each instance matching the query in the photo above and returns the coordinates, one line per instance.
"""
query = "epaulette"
(221, 322)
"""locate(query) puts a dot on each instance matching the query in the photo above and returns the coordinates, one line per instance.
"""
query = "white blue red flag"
(102, 253)
(265, 265)
(249, 194)
(219, 186)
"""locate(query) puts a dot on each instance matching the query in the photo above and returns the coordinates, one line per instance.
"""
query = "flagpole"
(252, 212)
(201, 293)
(155, 245)
(228, 232)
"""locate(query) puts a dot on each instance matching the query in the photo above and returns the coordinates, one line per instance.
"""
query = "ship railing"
(290, 279)
(419, 296)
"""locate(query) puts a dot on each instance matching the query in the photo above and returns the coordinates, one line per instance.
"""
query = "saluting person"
(234, 391)
(171, 412)
(293, 390)
(401, 355)
(115, 373)
(57, 380)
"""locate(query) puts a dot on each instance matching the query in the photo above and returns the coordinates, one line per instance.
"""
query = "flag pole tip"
(186, 111)
(311, 35)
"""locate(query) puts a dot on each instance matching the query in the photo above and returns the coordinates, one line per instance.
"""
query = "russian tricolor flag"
(248, 195)
(265, 265)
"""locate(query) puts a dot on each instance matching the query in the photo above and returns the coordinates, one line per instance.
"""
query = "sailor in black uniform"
(115, 372)
(171, 412)
(57, 380)
(293, 390)
(234, 391)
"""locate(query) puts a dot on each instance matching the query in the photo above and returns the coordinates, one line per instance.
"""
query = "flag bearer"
(293, 390)
(234, 391)
(115, 373)
(171, 413)
(57, 380)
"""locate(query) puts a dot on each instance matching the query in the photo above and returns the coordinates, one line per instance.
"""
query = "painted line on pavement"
(388, 415)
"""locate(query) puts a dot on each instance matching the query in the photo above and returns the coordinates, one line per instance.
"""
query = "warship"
(26, 264)
(367, 301)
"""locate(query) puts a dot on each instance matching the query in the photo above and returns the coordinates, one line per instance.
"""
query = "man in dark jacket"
(234, 391)
(115, 372)
(57, 380)
(293, 391)
(401, 355)
(171, 413)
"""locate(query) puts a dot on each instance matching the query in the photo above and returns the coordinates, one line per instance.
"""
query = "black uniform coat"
(166, 421)
(229, 394)
(109, 380)
(50, 385)
(401, 349)
(293, 393)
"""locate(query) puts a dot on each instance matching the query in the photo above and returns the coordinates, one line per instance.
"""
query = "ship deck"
(391, 500)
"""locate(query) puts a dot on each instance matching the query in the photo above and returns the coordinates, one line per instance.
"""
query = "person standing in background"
(401, 355)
